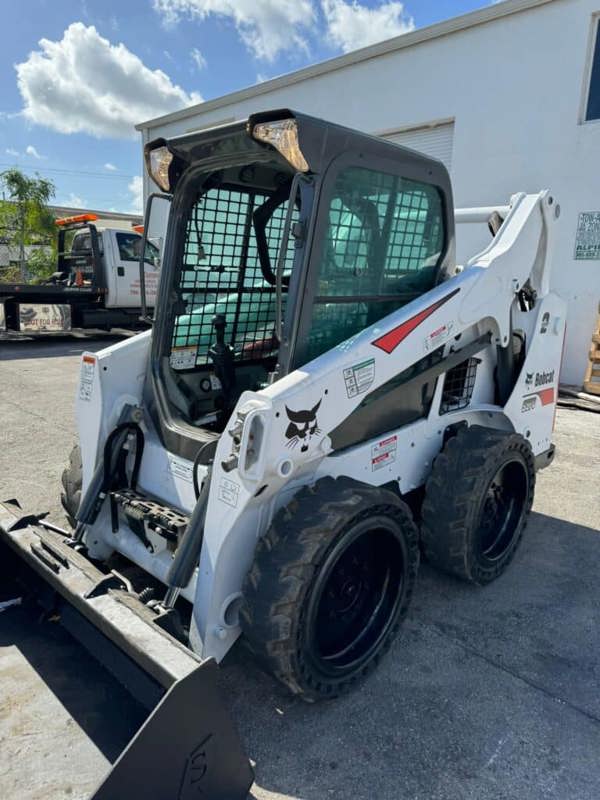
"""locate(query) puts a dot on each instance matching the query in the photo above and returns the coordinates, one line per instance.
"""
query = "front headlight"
(158, 162)
(283, 135)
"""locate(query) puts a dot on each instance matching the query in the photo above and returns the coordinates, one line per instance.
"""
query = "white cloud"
(351, 25)
(198, 58)
(10, 151)
(267, 27)
(31, 151)
(110, 167)
(83, 83)
(74, 201)
(136, 187)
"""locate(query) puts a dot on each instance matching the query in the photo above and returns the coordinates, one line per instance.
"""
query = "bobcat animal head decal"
(303, 426)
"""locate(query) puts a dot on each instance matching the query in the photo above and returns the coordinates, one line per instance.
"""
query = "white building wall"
(514, 88)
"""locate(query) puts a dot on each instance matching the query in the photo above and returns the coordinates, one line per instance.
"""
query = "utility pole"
(22, 261)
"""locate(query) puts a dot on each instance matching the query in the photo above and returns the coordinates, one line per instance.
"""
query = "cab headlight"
(158, 162)
(282, 134)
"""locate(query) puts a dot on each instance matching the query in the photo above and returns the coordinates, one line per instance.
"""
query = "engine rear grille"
(458, 386)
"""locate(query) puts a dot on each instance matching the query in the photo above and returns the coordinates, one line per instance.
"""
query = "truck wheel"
(477, 501)
(330, 584)
(71, 481)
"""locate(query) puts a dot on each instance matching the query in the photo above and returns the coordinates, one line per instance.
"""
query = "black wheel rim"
(356, 596)
(502, 511)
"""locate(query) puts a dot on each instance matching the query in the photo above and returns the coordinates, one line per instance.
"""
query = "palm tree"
(26, 214)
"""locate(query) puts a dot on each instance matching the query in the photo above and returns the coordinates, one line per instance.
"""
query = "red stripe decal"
(390, 340)
(546, 396)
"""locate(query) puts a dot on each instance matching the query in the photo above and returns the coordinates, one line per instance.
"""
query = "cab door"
(124, 269)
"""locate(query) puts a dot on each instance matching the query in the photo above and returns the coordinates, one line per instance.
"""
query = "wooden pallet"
(591, 381)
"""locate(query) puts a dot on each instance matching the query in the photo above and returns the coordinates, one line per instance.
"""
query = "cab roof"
(320, 142)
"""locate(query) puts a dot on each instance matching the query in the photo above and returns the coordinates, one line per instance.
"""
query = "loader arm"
(313, 421)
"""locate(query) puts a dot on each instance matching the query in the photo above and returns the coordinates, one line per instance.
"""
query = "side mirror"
(155, 224)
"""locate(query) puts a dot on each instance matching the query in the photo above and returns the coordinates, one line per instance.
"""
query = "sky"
(76, 76)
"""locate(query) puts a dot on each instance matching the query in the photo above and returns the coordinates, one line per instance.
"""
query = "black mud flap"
(188, 748)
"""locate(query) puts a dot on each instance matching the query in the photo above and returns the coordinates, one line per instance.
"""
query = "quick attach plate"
(142, 513)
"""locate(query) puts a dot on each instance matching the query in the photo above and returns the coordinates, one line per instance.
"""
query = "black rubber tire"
(72, 478)
(455, 497)
(286, 581)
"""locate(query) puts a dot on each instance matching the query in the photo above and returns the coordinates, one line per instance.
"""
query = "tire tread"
(451, 501)
(285, 563)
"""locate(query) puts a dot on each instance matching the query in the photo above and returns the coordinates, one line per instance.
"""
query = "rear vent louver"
(458, 386)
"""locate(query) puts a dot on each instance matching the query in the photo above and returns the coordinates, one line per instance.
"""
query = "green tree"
(41, 263)
(25, 218)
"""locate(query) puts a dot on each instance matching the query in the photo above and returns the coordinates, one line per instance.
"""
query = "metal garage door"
(433, 140)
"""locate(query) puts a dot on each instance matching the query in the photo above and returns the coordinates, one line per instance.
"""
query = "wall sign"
(587, 239)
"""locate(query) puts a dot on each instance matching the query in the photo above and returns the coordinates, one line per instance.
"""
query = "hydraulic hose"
(196, 464)
(188, 552)
(505, 369)
(92, 501)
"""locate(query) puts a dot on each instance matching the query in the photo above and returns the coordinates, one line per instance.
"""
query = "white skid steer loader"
(324, 394)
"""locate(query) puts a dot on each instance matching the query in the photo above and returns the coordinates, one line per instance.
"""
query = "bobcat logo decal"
(303, 426)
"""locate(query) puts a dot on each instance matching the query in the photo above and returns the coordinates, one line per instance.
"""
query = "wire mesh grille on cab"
(459, 383)
(221, 274)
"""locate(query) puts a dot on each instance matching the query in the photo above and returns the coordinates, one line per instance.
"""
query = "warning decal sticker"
(183, 357)
(384, 453)
(229, 492)
(179, 468)
(439, 336)
(86, 380)
(587, 238)
(359, 377)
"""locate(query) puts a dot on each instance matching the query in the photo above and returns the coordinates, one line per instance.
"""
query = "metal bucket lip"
(189, 742)
(118, 614)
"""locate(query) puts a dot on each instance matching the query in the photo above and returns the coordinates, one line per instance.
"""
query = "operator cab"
(287, 236)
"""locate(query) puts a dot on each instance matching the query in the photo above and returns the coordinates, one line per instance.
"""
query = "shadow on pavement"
(487, 692)
(55, 346)
(99, 705)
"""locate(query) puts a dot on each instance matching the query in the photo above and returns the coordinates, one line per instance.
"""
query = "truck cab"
(118, 261)
(96, 283)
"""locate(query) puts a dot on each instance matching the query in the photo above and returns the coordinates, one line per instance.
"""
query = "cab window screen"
(382, 248)
(221, 274)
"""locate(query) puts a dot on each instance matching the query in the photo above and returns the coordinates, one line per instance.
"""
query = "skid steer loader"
(324, 394)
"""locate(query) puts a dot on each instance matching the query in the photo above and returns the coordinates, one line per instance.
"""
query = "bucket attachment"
(187, 748)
